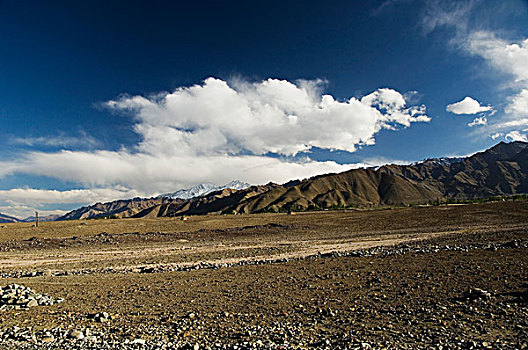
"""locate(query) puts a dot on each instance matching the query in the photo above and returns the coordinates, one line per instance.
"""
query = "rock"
(15, 296)
(48, 339)
(32, 303)
(138, 341)
(477, 293)
(100, 316)
(75, 334)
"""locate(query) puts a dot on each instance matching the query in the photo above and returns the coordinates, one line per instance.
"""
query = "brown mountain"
(116, 209)
(500, 170)
(215, 202)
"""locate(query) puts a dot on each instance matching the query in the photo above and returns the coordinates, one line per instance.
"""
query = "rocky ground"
(372, 280)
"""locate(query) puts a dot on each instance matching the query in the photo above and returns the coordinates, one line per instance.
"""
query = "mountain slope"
(500, 170)
(215, 202)
(118, 209)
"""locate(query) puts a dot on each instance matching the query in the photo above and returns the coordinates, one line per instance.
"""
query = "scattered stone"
(15, 297)
(99, 317)
(75, 334)
(48, 339)
(32, 303)
(477, 293)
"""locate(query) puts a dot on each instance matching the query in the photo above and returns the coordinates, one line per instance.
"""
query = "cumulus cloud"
(216, 132)
(467, 106)
(272, 116)
(516, 136)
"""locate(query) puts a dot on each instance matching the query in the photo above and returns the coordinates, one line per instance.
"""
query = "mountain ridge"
(204, 189)
(501, 170)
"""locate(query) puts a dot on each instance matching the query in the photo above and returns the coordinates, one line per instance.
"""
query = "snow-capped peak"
(203, 189)
(442, 160)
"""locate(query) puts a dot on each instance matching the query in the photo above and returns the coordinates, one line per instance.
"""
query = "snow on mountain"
(203, 189)
(447, 161)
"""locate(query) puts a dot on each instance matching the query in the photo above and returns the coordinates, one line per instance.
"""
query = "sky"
(105, 100)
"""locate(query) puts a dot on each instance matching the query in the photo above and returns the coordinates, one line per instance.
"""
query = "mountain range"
(499, 171)
(6, 218)
(203, 189)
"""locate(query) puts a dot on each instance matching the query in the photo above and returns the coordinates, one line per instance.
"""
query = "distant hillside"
(51, 217)
(216, 202)
(6, 219)
(501, 170)
(118, 209)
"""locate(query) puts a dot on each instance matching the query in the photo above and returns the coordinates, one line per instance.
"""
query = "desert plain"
(422, 277)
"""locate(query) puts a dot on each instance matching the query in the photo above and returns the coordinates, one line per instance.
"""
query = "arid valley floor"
(442, 277)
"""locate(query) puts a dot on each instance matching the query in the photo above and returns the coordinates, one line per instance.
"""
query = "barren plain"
(438, 277)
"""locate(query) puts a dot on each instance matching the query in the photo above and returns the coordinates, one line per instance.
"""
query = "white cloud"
(516, 136)
(149, 174)
(274, 116)
(39, 196)
(216, 132)
(439, 13)
(496, 135)
(23, 211)
(479, 121)
(472, 34)
(83, 140)
(507, 57)
(513, 123)
(23, 202)
(467, 106)
(512, 60)
(518, 106)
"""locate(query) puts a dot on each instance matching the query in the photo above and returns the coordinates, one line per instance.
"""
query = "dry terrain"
(418, 277)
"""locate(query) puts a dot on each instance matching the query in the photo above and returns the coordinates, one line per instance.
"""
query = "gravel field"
(450, 277)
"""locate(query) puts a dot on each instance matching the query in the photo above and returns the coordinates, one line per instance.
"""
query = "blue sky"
(103, 100)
